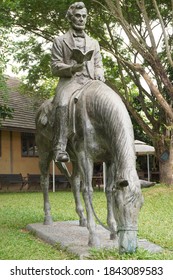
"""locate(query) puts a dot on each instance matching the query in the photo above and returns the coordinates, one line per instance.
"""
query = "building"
(18, 151)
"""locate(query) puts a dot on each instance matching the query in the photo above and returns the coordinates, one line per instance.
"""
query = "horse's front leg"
(109, 189)
(75, 182)
(86, 166)
(44, 169)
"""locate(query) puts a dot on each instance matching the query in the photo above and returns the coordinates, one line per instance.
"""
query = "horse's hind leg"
(44, 169)
(109, 188)
(75, 181)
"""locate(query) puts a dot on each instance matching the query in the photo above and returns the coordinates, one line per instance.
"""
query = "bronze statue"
(103, 133)
(76, 59)
(98, 128)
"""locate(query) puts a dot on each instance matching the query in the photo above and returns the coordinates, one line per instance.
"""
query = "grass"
(156, 217)
(19, 209)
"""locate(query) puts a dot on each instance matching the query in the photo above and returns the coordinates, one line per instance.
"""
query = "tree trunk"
(166, 173)
(166, 165)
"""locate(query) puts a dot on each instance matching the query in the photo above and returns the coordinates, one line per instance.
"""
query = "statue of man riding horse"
(87, 122)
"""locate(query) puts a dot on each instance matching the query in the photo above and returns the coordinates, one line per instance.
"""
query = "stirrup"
(60, 155)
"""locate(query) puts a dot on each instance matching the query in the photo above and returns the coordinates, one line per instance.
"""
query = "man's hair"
(73, 7)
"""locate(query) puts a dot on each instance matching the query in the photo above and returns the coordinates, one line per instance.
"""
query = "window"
(29, 148)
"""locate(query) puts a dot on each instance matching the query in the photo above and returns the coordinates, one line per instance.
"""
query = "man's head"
(77, 15)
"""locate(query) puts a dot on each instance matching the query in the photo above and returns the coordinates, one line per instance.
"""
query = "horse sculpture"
(100, 129)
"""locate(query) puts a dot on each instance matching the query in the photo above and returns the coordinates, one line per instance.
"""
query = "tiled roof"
(24, 115)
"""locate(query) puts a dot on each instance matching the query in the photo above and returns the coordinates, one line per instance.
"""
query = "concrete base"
(75, 238)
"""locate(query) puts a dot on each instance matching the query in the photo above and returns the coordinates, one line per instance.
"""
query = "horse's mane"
(106, 106)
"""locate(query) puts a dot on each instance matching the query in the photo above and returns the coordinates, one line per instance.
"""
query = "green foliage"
(131, 7)
(33, 24)
(5, 110)
(155, 224)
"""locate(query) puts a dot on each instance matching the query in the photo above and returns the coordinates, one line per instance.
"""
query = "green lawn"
(19, 209)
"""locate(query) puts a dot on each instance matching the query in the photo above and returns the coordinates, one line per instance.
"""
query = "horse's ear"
(146, 184)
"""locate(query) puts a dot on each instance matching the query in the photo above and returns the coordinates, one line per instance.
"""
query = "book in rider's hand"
(80, 56)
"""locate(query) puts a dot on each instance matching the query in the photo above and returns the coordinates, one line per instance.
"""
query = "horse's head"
(127, 201)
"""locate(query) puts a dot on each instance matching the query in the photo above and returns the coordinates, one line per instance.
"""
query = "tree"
(136, 39)
(147, 26)
(5, 110)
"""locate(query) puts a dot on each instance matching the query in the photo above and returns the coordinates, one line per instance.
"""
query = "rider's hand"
(77, 68)
(100, 78)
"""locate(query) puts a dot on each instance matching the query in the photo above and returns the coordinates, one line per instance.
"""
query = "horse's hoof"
(48, 221)
(94, 242)
(113, 236)
(83, 223)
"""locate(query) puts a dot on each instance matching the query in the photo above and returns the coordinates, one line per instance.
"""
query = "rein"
(95, 215)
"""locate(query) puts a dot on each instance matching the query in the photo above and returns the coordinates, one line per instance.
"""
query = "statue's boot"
(60, 135)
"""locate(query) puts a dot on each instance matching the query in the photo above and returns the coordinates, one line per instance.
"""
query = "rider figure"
(73, 76)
